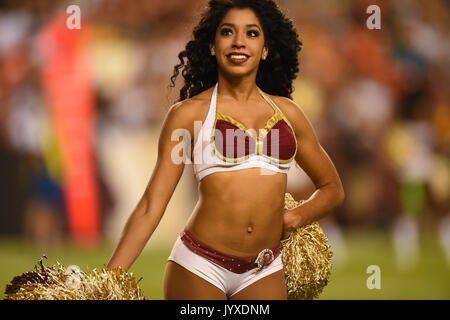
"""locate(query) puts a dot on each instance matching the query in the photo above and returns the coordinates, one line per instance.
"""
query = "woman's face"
(239, 43)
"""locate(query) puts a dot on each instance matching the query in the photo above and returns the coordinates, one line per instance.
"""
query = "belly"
(239, 212)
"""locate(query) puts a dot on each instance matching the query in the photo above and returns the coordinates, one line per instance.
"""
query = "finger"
(286, 236)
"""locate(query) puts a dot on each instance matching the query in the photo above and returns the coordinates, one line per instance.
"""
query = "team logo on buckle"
(265, 257)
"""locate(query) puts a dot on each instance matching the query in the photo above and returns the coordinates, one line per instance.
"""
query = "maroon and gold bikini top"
(228, 145)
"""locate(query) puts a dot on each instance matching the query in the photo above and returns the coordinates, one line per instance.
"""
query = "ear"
(265, 53)
(212, 49)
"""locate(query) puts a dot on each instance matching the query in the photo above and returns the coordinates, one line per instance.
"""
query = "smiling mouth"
(237, 58)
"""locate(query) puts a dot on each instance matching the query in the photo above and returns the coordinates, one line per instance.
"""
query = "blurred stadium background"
(81, 110)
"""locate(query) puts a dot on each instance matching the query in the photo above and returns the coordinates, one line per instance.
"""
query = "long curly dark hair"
(275, 74)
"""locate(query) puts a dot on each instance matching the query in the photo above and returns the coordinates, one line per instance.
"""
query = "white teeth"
(238, 56)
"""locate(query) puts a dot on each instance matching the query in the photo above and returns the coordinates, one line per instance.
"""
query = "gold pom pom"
(306, 258)
(58, 283)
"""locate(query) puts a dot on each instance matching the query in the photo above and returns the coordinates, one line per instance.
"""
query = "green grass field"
(429, 279)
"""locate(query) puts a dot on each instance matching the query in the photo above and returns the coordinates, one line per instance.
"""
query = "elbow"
(336, 194)
(340, 196)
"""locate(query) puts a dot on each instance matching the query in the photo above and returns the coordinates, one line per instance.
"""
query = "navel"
(249, 229)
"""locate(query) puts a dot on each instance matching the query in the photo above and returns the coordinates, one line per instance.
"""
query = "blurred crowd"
(378, 100)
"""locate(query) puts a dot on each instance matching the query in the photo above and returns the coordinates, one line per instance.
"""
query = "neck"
(240, 89)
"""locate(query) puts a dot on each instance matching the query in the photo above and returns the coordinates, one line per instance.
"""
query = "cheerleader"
(238, 71)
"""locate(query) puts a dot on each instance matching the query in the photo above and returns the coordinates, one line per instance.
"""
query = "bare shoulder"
(293, 113)
(183, 114)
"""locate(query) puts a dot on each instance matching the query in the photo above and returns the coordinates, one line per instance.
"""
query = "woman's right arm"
(148, 213)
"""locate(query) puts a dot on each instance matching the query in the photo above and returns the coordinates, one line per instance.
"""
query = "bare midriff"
(239, 212)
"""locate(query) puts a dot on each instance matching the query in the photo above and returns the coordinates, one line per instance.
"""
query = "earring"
(213, 53)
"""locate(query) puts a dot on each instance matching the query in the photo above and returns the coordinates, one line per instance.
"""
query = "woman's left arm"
(316, 163)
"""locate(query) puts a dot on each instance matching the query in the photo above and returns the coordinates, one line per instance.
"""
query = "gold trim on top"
(263, 132)
(221, 116)
(285, 119)
(267, 126)
(276, 107)
(212, 138)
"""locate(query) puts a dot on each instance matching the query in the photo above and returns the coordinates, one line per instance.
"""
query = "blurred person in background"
(28, 134)
(28, 128)
(413, 143)
(238, 47)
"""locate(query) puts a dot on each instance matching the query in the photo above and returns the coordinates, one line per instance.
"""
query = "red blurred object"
(66, 78)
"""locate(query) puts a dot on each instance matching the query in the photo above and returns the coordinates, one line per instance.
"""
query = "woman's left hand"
(291, 221)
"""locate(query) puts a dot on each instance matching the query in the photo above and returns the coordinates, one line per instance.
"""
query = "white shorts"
(229, 282)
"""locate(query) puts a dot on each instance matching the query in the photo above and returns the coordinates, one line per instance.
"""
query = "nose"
(239, 40)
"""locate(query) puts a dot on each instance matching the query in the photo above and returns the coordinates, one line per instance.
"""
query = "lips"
(237, 57)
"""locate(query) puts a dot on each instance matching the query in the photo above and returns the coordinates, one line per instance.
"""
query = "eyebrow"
(247, 25)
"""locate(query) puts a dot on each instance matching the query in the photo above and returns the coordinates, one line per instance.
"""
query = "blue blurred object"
(46, 190)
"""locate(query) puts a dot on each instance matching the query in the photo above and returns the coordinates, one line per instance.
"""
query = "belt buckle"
(265, 257)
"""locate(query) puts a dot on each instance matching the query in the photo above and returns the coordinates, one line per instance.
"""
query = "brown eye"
(226, 32)
(253, 33)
